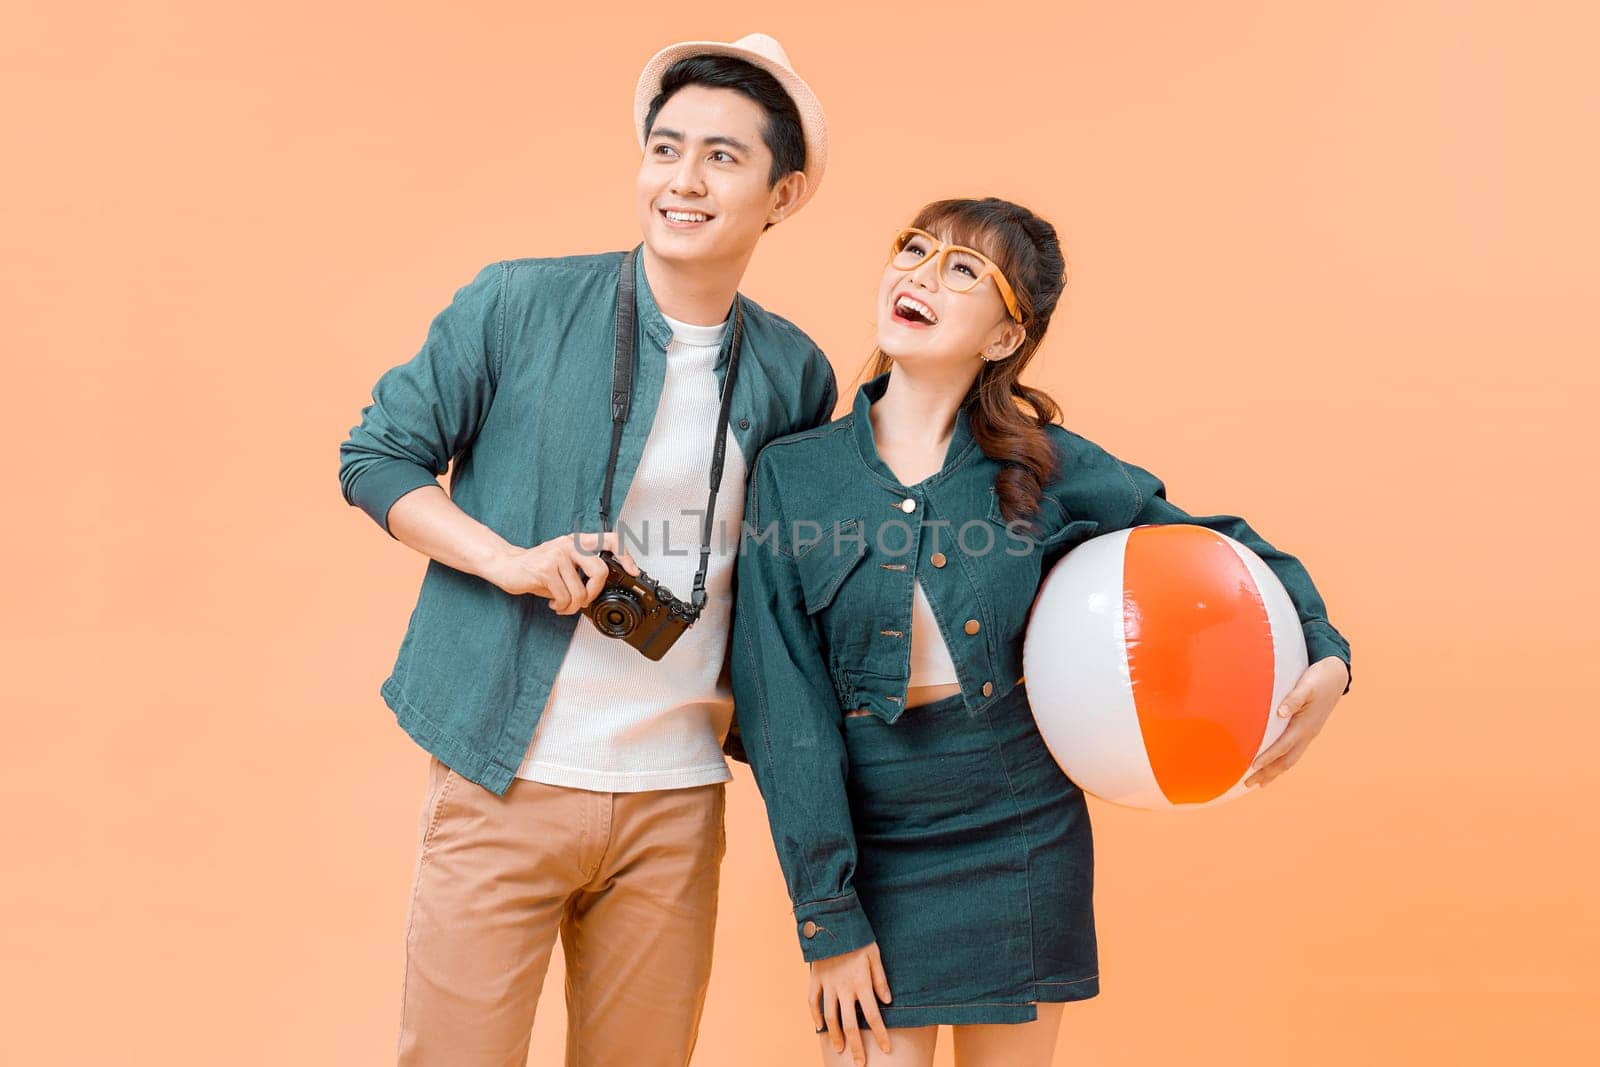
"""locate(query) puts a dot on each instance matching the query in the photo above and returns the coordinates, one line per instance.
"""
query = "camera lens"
(616, 613)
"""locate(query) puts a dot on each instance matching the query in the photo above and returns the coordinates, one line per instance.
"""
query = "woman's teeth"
(915, 310)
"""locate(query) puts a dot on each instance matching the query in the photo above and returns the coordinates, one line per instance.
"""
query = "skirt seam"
(962, 1004)
(1075, 981)
(1027, 846)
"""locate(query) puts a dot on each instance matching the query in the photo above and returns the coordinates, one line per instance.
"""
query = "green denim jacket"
(513, 385)
(822, 618)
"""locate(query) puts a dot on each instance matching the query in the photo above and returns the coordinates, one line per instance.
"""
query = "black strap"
(622, 361)
(624, 358)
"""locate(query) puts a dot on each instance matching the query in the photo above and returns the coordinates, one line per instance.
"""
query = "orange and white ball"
(1155, 658)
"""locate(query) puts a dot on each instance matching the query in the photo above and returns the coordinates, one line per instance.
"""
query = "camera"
(638, 610)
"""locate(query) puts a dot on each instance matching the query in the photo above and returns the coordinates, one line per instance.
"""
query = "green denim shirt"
(513, 385)
(822, 619)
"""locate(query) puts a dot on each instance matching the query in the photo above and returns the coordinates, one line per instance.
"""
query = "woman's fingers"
(830, 1015)
(1307, 707)
(1282, 755)
(1275, 751)
(1276, 767)
(814, 1004)
(848, 983)
(880, 981)
(852, 1029)
(869, 1008)
(1297, 698)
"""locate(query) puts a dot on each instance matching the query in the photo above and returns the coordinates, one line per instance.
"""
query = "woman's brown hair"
(1026, 249)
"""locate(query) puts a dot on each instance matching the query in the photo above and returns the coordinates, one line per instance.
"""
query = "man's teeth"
(688, 216)
(917, 308)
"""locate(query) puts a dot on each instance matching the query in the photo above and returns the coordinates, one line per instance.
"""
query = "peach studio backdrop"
(1333, 271)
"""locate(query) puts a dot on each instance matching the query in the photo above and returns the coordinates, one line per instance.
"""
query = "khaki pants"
(628, 879)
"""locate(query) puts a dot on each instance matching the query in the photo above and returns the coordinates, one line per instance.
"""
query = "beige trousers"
(629, 880)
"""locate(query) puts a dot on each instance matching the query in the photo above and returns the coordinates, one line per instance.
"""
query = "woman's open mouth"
(913, 312)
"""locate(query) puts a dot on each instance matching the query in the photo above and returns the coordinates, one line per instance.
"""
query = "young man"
(577, 785)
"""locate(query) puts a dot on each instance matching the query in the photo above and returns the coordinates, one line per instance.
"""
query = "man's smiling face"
(703, 192)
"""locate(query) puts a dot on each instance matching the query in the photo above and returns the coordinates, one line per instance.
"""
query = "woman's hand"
(1308, 706)
(838, 984)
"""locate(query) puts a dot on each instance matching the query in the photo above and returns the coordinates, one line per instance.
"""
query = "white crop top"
(930, 658)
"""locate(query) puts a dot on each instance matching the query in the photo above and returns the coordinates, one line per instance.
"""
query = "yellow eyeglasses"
(959, 268)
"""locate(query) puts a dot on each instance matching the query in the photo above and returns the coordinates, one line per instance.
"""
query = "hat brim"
(813, 124)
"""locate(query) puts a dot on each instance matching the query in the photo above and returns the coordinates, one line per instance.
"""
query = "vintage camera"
(639, 611)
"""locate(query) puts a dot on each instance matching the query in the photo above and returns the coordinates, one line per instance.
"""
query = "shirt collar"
(687, 333)
(655, 324)
(649, 312)
(961, 439)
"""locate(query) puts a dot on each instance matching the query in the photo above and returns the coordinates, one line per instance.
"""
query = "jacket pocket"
(824, 566)
(873, 692)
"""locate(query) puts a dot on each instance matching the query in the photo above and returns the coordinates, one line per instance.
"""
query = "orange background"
(1333, 270)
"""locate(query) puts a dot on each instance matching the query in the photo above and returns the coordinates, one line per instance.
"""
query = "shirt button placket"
(913, 548)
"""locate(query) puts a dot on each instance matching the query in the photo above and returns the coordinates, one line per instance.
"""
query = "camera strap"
(624, 358)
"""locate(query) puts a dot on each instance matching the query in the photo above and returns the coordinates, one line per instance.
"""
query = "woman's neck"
(918, 411)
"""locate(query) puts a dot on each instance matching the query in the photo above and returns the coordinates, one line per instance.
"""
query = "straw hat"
(766, 53)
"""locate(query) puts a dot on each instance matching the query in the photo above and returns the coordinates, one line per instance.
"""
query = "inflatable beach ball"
(1155, 658)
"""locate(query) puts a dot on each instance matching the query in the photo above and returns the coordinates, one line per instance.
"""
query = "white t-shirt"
(616, 721)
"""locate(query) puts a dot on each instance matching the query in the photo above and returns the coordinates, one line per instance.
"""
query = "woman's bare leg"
(1010, 1044)
(911, 1047)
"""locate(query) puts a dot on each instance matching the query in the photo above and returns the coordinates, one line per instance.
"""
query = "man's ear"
(785, 195)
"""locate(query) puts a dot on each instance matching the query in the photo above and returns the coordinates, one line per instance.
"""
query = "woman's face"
(921, 319)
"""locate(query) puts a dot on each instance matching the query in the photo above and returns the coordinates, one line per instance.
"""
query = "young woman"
(939, 862)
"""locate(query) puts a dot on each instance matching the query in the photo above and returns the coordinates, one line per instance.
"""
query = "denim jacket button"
(908, 505)
(809, 929)
(744, 424)
(938, 559)
(988, 689)
(972, 628)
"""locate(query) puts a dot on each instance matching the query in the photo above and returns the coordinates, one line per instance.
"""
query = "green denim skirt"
(975, 863)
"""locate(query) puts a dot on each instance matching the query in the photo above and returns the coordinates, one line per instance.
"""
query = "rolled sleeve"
(792, 726)
(427, 411)
(1151, 506)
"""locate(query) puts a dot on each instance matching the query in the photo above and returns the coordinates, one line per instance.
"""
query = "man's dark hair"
(783, 134)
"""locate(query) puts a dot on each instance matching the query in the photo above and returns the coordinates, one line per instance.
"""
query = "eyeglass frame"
(1007, 294)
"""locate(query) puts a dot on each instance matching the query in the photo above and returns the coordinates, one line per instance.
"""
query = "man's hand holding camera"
(567, 570)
